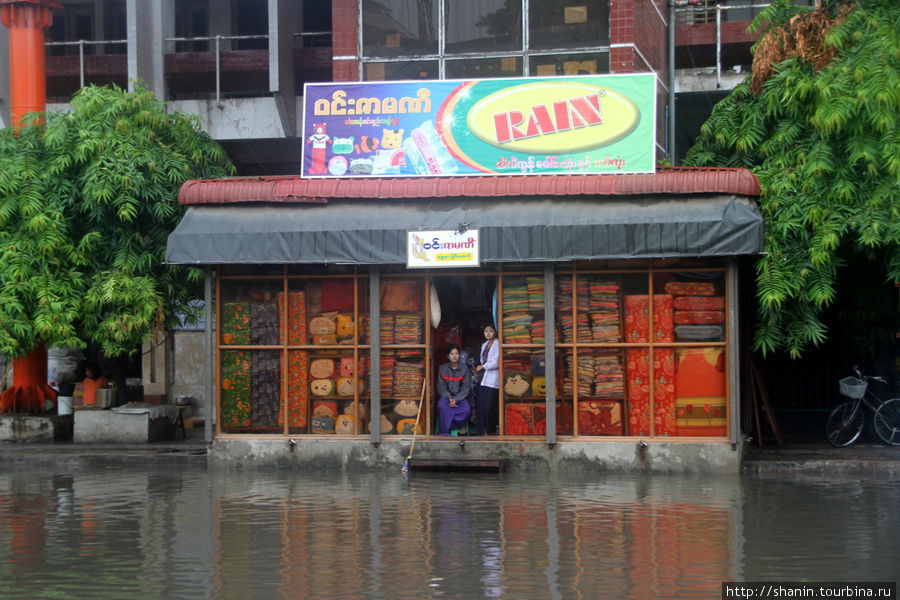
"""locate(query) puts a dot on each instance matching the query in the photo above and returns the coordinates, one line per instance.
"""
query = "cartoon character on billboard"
(319, 140)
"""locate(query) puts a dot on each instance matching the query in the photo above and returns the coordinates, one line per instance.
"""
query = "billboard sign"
(555, 125)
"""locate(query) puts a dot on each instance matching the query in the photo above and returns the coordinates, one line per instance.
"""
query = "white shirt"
(491, 377)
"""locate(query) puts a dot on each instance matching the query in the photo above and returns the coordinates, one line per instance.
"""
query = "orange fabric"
(700, 372)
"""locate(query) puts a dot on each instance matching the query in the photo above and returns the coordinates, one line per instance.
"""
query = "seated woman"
(92, 381)
(454, 386)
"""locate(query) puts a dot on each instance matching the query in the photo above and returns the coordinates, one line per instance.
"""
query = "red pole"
(27, 20)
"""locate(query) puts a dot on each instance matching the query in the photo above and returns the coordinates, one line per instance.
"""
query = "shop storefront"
(615, 299)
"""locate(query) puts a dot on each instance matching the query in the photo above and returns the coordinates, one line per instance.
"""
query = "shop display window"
(524, 380)
(252, 313)
(402, 381)
(523, 310)
(698, 304)
(596, 378)
(700, 391)
(338, 389)
(639, 352)
(251, 391)
(305, 324)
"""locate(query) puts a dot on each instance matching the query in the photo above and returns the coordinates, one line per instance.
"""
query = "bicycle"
(845, 423)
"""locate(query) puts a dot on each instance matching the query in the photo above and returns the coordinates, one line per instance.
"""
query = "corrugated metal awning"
(522, 229)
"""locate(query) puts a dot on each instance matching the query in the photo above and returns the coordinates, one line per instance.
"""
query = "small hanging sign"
(444, 248)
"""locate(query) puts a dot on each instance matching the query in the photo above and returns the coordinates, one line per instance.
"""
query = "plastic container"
(64, 405)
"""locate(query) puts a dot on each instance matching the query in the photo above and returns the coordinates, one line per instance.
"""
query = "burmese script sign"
(555, 125)
(446, 248)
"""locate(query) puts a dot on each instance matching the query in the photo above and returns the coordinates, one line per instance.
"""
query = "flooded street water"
(181, 531)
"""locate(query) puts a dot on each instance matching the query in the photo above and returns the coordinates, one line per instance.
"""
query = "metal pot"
(105, 397)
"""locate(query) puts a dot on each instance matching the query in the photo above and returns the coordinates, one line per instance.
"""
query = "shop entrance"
(467, 303)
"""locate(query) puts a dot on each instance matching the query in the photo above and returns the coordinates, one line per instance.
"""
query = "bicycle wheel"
(887, 422)
(844, 425)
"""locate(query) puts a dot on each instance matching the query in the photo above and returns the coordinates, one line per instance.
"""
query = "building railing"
(81, 46)
(220, 43)
(701, 7)
(218, 39)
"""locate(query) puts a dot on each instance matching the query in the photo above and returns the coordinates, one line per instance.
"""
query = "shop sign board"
(442, 248)
(527, 126)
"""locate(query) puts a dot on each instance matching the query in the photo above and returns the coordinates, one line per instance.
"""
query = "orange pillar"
(29, 389)
(26, 20)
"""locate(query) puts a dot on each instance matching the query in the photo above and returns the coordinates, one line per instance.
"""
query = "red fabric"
(337, 295)
(519, 419)
(699, 303)
(599, 417)
(664, 422)
(690, 288)
(699, 317)
(637, 329)
(563, 419)
(637, 318)
(401, 295)
(638, 389)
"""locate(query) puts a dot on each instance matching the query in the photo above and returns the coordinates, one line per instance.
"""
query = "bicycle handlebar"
(859, 374)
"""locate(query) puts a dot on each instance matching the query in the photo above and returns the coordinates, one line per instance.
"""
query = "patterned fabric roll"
(298, 390)
(236, 323)
(235, 393)
(265, 381)
(297, 331)
(699, 317)
(690, 288)
(264, 324)
(699, 303)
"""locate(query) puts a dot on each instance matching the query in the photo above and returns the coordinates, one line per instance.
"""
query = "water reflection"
(188, 533)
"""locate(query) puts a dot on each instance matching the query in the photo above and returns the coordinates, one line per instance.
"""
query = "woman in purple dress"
(454, 385)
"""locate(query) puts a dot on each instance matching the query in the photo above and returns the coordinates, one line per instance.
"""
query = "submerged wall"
(624, 456)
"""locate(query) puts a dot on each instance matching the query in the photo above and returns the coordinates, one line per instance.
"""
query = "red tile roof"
(673, 180)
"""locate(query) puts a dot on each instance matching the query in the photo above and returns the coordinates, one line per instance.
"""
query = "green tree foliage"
(818, 125)
(87, 200)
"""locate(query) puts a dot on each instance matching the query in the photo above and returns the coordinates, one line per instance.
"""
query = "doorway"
(467, 304)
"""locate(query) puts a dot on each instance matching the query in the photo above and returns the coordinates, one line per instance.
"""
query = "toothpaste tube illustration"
(426, 153)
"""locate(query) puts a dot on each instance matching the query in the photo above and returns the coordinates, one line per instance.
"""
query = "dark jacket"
(453, 383)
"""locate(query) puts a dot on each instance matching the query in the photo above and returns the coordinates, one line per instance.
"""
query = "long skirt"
(452, 417)
(486, 406)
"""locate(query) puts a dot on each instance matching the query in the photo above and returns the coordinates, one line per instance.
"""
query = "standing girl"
(489, 389)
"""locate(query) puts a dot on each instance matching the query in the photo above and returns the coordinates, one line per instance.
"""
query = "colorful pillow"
(321, 368)
(322, 387)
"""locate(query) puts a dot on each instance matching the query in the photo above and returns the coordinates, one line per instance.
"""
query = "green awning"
(350, 231)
